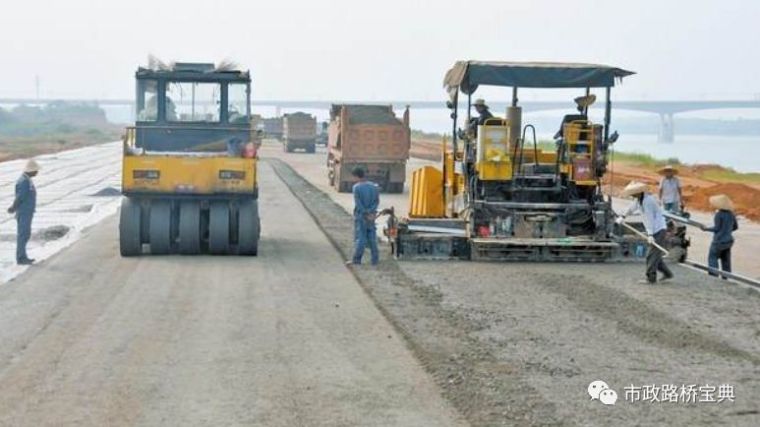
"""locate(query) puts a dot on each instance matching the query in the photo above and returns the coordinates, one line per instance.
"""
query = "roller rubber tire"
(219, 228)
(249, 228)
(160, 229)
(189, 228)
(129, 228)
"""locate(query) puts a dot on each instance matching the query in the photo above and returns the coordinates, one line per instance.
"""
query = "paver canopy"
(468, 75)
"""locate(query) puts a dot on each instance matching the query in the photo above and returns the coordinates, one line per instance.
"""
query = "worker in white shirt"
(654, 223)
(670, 190)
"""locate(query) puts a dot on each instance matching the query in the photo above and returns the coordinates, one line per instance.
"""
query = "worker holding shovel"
(654, 223)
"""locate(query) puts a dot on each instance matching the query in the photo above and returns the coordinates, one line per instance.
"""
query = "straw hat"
(586, 100)
(634, 188)
(480, 102)
(668, 168)
(31, 166)
(721, 201)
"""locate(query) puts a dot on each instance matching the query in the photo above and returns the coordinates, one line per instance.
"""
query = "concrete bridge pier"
(667, 128)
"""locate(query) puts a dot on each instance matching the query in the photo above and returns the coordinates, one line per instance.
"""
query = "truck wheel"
(345, 187)
(396, 187)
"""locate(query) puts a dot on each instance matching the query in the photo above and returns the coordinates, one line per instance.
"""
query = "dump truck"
(498, 196)
(273, 127)
(299, 132)
(189, 164)
(371, 137)
(322, 132)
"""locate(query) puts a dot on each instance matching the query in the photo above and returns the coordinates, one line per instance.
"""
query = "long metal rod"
(683, 220)
(733, 276)
(644, 236)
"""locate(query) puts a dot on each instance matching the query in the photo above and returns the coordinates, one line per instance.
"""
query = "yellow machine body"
(494, 161)
(581, 137)
(160, 174)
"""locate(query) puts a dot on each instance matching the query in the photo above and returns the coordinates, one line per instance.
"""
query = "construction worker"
(366, 201)
(581, 104)
(670, 190)
(654, 223)
(24, 205)
(483, 114)
(724, 224)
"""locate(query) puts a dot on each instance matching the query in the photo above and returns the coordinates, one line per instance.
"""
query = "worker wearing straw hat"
(654, 223)
(670, 190)
(724, 224)
(483, 114)
(24, 205)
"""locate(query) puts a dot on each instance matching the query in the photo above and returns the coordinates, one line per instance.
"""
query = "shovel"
(645, 237)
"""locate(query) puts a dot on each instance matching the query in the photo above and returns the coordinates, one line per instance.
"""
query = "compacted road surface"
(284, 339)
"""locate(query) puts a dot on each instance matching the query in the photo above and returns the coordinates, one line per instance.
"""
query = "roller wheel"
(249, 228)
(129, 228)
(219, 228)
(189, 228)
(160, 228)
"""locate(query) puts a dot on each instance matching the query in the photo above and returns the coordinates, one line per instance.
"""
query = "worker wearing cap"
(724, 224)
(483, 114)
(670, 190)
(654, 223)
(24, 205)
(366, 201)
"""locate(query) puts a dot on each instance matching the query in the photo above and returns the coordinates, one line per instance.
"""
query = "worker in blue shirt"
(724, 224)
(24, 205)
(366, 201)
(654, 223)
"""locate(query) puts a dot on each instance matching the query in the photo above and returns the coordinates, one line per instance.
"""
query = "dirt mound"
(427, 150)
(745, 198)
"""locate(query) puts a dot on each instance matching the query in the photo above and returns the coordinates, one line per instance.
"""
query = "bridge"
(665, 109)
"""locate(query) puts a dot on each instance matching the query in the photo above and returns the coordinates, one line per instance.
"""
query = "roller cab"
(189, 164)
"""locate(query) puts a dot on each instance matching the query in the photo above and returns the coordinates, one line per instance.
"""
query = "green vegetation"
(27, 130)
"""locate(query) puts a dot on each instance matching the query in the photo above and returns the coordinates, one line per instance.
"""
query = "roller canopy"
(468, 75)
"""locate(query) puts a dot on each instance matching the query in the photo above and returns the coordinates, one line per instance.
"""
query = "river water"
(739, 152)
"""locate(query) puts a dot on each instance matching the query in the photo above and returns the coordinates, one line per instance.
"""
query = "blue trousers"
(365, 233)
(23, 234)
(720, 252)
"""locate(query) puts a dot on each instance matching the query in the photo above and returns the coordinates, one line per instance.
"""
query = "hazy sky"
(378, 50)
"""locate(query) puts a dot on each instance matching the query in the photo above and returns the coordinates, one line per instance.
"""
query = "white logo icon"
(595, 388)
(599, 390)
(608, 397)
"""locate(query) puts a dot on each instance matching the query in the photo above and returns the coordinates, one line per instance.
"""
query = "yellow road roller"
(189, 164)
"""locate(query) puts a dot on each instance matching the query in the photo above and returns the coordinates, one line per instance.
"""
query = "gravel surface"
(518, 344)
(287, 338)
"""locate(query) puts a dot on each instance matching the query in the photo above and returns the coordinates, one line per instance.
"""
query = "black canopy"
(467, 75)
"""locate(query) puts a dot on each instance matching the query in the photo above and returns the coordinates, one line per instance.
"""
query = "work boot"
(25, 261)
(667, 278)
